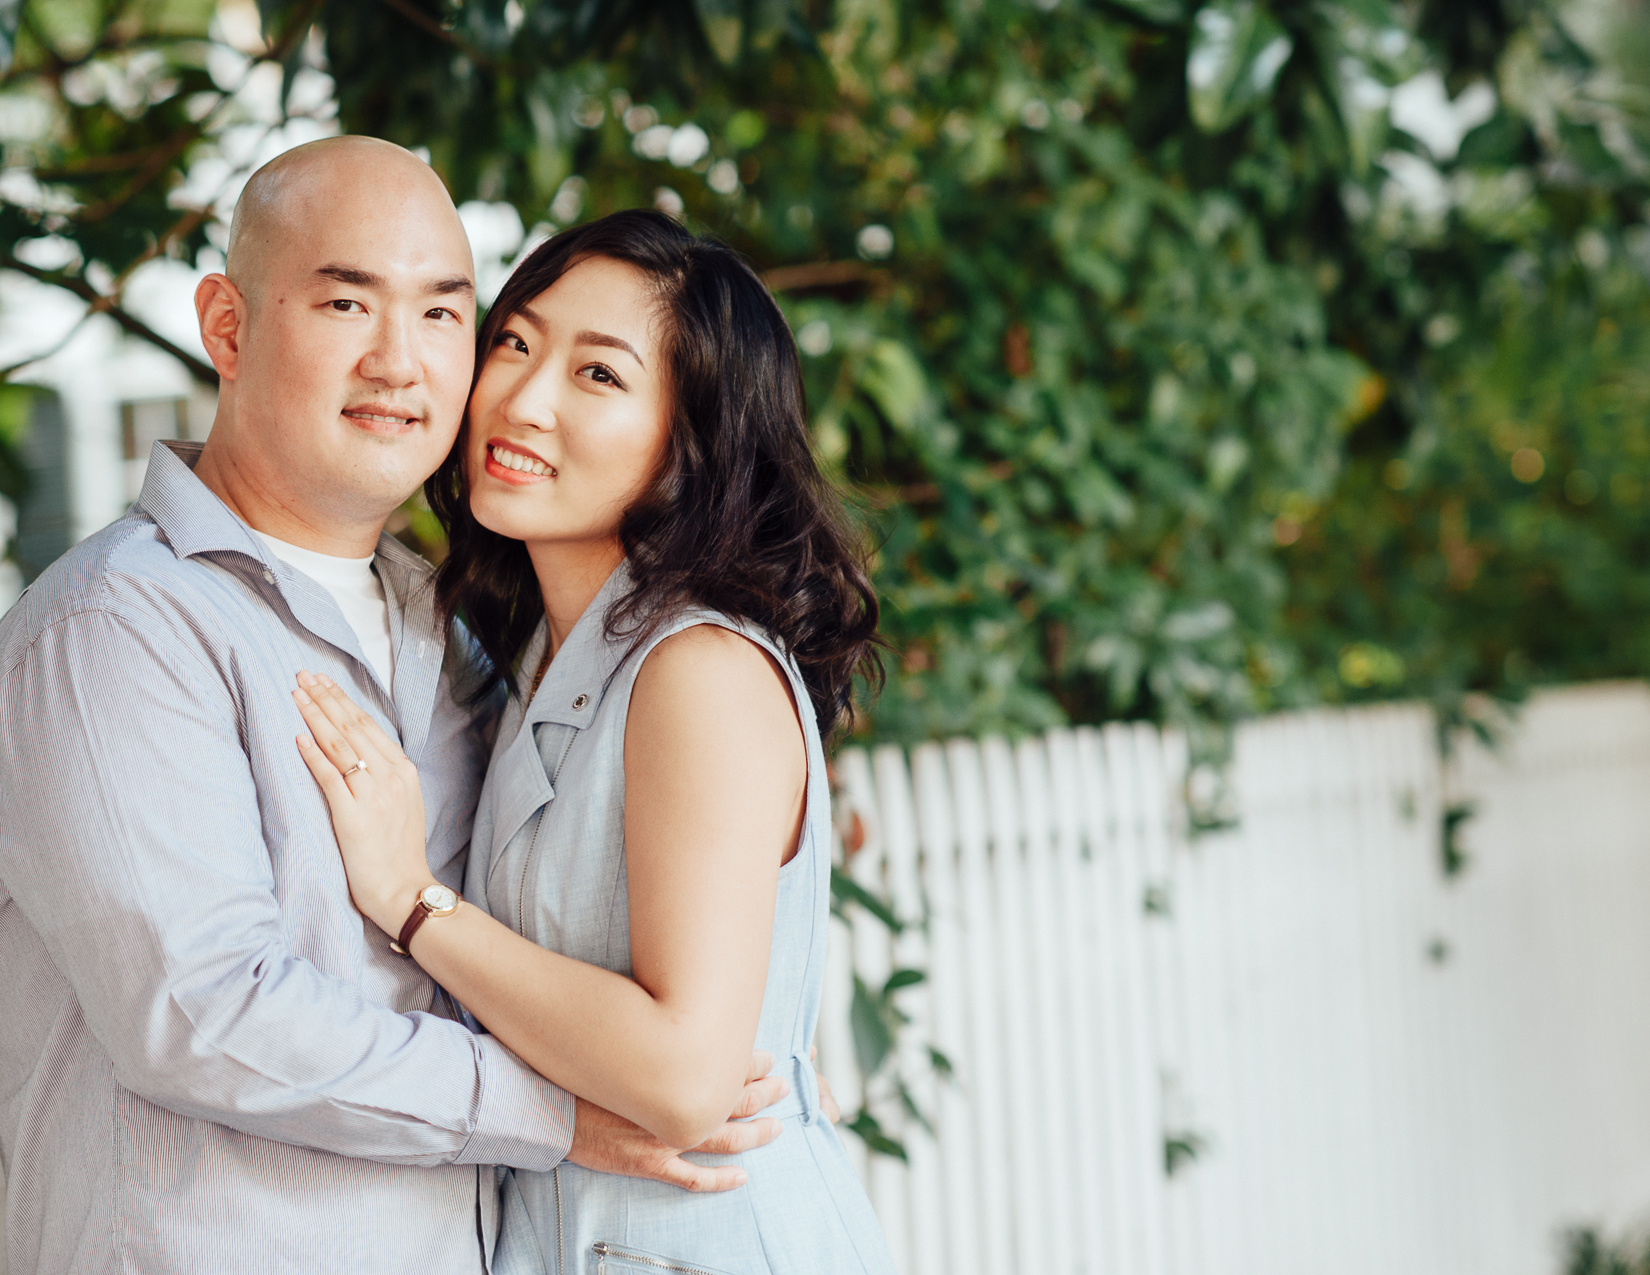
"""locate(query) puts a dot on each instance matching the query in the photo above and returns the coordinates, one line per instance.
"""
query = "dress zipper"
(533, 846)
(526, 863)
(601, 1248)
(561, 1243)
(521, 929)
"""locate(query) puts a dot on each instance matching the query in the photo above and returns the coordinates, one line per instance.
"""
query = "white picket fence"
(1383, 1072)
(1378, 1070)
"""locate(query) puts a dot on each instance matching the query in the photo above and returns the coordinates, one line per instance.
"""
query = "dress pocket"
(612, 1259)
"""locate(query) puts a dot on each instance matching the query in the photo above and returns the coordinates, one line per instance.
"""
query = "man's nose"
(392, 360)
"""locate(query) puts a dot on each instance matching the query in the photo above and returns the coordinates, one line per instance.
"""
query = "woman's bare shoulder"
(710, 669)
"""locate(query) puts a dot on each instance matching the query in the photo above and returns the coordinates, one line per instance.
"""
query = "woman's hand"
(377, 806)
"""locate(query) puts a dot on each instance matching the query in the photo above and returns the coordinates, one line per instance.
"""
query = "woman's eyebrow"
(611, 342)
(586, 337)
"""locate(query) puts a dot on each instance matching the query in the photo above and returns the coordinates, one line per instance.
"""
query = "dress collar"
(579, 673)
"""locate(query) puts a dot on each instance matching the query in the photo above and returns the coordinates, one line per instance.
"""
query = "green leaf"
(10, 12)
(1160, 11)
(1454, 857)
(902, 978)
(745, 129)
(845, 890)
(1237, 50)
(1180, 1150)
(914, 1111)
(866, 1126)
(896, 383)
(723, 26)
(1377, 14)
(873, 1038)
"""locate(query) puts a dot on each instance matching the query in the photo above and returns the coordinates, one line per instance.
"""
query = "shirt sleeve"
(132, 838)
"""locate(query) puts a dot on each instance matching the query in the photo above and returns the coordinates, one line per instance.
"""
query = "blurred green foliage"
(15, 401)
(1176, 380)
(1587, 1253)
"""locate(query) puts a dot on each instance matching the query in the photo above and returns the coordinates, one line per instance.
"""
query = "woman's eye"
(509, 340)
(601, 374)
(343, 307)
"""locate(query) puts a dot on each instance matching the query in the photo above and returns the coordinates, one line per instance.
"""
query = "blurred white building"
(108, 397)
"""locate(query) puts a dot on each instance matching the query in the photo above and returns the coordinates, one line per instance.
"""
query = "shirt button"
(269, 576)
(580, 702)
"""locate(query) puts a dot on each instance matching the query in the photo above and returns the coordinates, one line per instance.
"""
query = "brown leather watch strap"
(422, 911)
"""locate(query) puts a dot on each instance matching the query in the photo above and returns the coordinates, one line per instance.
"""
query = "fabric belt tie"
(803, 1099)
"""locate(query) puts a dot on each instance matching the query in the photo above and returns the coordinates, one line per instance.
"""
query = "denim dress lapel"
(519, 781)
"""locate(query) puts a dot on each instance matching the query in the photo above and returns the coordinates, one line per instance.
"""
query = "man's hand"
(611, 1144)
(827, 1099)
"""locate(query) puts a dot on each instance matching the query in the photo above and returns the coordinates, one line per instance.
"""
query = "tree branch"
(159, 159)
(426, 23)
(202, 371)
(817, 274)
(7, 371)
(154, 162)
(181, 229)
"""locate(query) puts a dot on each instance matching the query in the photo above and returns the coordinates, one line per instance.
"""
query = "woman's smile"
(516, 467)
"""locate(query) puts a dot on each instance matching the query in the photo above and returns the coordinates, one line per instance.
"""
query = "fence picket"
(970, 1217)
(1047, 997)
(1390, 1071)
(897, 808)
(1097, 1220)
(1002, 1223)
(887, 1179)
(1028, 1158)
(1135, 990)
(1111, 1026)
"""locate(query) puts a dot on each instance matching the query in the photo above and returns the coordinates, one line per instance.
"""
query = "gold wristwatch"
(433, 900)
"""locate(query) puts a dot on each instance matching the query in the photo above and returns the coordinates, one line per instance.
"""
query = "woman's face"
(569, 417)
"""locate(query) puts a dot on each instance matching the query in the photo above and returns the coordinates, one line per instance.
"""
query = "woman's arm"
(715, 782)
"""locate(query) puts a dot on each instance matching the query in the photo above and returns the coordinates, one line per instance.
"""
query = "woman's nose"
(530, 405)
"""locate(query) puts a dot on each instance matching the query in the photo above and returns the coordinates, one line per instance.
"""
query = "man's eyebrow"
(611, 342)
(351, 275)
(454, 283)
(358, 278)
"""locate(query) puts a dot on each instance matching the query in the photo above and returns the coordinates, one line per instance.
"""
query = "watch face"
(438, 898)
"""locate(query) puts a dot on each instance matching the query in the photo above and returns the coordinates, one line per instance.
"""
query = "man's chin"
(366, 491)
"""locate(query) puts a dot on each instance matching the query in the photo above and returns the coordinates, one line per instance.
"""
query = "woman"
(641, 538)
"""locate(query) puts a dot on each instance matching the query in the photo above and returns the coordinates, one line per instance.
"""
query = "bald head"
(285, 202)
(344, 331)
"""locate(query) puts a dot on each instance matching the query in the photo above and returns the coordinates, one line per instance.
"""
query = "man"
(209, 1060)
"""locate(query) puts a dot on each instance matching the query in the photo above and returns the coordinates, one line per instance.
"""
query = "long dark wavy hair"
(738, 517)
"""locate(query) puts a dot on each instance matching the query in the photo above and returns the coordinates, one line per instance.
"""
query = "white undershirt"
(357, 590)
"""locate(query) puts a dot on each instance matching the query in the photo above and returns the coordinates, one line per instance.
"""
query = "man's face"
(358, 346)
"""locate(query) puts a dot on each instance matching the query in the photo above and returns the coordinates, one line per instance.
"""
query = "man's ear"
(221, 308)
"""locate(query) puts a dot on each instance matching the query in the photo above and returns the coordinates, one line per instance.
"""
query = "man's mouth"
(379, 416)
(519, 463)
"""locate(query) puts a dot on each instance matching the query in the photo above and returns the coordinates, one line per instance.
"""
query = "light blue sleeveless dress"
(548, 860)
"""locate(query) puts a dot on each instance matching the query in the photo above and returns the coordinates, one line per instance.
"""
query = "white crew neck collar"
(306, 559)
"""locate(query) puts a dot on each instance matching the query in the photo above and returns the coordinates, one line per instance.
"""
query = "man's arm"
(131, 836)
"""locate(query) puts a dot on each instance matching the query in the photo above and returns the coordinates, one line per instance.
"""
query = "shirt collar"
(192, 517)
(196, 521)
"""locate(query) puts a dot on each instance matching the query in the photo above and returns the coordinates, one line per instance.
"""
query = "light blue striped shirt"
(209, 1061)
